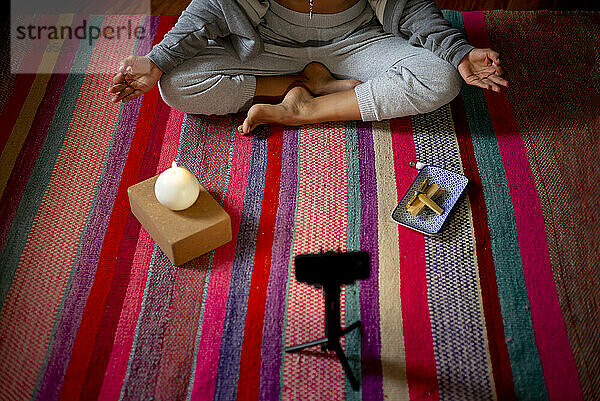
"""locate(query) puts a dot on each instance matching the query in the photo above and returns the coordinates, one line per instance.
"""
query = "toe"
(246, 128)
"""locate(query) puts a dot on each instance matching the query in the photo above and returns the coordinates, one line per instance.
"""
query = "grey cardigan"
(231, 23)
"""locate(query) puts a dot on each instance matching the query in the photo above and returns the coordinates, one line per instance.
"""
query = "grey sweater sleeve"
(223, 21)
(422, 22)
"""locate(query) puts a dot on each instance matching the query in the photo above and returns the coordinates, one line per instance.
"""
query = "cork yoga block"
(182, 235)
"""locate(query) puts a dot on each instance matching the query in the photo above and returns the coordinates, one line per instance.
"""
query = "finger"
(475, 81)
(124, 93)
(118, 78)
(486, 71)
(483, 85)
(128, 74)
(491, 85)
(498, 80)
(132, 95)
(495, 88)
(117, 97)
(135, 84)
(117, 88)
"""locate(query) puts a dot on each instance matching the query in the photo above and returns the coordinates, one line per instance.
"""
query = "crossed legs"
(397, 80)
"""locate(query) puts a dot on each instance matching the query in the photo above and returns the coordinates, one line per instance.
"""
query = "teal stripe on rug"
(352, 244)
(518, 329)
(191, 147)
(149, 326)
(33, 195)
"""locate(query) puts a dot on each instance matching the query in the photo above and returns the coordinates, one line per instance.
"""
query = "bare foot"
(321, 82)
(291, 111)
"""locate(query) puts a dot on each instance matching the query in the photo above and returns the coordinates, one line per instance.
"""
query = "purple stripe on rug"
(90, 245)
(243, 263)
(369, 289)
(272, 342)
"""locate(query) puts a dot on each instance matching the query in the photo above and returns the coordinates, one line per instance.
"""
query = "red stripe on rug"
(250, 362)
(139, 154)
(558, 362)
(117, 366)
(321, 223)
(420, 361)
(501, 368)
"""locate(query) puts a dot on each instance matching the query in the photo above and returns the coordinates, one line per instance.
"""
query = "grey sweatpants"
(397, 79)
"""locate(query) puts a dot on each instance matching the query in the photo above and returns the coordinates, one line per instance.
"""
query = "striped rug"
(504, 304)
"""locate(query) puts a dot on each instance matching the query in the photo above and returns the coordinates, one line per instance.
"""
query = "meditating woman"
(297, 62)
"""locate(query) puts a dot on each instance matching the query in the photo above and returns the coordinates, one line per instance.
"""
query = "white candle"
(176, 188)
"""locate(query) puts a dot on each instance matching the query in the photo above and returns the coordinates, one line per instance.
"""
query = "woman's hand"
(136, 76)
(481, 67)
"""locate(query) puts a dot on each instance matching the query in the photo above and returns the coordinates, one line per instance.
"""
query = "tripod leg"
(342, 357)
(351, 327)
(306, 345)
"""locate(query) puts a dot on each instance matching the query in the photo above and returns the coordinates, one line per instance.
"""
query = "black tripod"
(330, 270)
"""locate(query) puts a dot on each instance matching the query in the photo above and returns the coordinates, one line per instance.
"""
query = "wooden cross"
(423, 197)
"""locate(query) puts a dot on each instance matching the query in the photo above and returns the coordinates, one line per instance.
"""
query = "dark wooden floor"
(174, 7)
